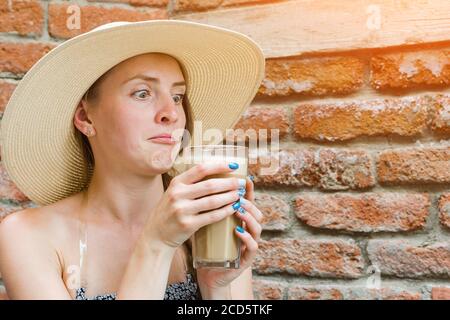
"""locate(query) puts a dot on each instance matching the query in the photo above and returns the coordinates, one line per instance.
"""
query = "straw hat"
(223, 70)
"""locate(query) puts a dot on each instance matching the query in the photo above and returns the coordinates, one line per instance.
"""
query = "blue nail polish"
(233, 165)
(251, 177)
(241, 192)
(239, 229)
(241, 210)
(236, 205)
(242, 201)
(242, 183)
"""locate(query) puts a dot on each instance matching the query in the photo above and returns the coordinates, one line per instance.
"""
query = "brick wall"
(360, 206)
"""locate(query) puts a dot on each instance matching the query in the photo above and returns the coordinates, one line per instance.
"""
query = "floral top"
(187, 290)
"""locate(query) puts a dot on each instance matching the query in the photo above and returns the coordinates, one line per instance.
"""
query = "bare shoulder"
(34, 220)
(34, 237)
(22, 225)
(26, 233)
(34, 224)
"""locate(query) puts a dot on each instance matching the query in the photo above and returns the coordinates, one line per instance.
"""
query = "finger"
(199, 171)
(250, 250)
(250, 189)
(252, 209)
(206, 218)
(213, 186)
(252, 226)
(212, 202)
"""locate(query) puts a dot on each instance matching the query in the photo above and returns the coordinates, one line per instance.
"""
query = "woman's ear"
(81, 119)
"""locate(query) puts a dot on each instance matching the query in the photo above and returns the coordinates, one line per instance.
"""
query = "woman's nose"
(168, 110)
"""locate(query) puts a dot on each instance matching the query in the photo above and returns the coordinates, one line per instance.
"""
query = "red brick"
(6, 90)
(268, 289)
(8, 190)
(230, 3)
(444, 209)
(347, 120)
(266, 119)
(330, 292)
(414, 165)
(367, 212)
(410, 69)
(316, 258)
(312, 76)
(25, 17)
(314, 293)
(204, 5)
(275, 210)
(197, 5)
(138, 3)
(405, 260)
(7, 207)
(328, 169)
(440, 293)
(440, 115)
(92, 16)
(392, 294)
(18, 58)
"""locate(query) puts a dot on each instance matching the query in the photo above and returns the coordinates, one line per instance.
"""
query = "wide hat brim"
(223, 70)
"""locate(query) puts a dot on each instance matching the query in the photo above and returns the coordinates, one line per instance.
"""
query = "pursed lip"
(164, 135)
(164, 138)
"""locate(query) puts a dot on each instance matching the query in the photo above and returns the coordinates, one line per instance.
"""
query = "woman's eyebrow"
(152, 79)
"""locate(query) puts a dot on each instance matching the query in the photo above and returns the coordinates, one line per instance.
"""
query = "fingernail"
(239, 229)
(251, 177)
(242, 183)
(233, 165)
(241, 210)
(236, 205)
(241, 192)
(242, 201)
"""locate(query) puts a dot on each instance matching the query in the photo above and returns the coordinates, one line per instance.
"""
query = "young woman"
(124, 233)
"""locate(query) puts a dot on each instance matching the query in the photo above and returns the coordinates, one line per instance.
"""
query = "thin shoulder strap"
(82, 231)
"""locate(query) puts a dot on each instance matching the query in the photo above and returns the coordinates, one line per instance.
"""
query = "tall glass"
(216, 245)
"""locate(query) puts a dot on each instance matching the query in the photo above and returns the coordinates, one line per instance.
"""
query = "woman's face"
(130, 108)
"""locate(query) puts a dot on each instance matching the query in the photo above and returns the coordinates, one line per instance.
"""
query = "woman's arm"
(147, 272)
(31, 270)
(242, 286)
(29, 265)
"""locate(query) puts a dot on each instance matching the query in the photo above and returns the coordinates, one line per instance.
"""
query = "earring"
(88, 131)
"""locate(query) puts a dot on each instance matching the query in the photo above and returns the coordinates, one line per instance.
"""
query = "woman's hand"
(178, 214)
(212, 278)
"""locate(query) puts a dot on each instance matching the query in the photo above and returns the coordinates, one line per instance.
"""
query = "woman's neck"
(128, 201)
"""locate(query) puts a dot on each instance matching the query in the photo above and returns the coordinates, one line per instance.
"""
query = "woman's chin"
(161, 160)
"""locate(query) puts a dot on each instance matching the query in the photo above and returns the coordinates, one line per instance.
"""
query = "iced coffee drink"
(216, 245)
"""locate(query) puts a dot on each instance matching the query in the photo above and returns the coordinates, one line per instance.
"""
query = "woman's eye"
(141, 93)
(180, 99)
